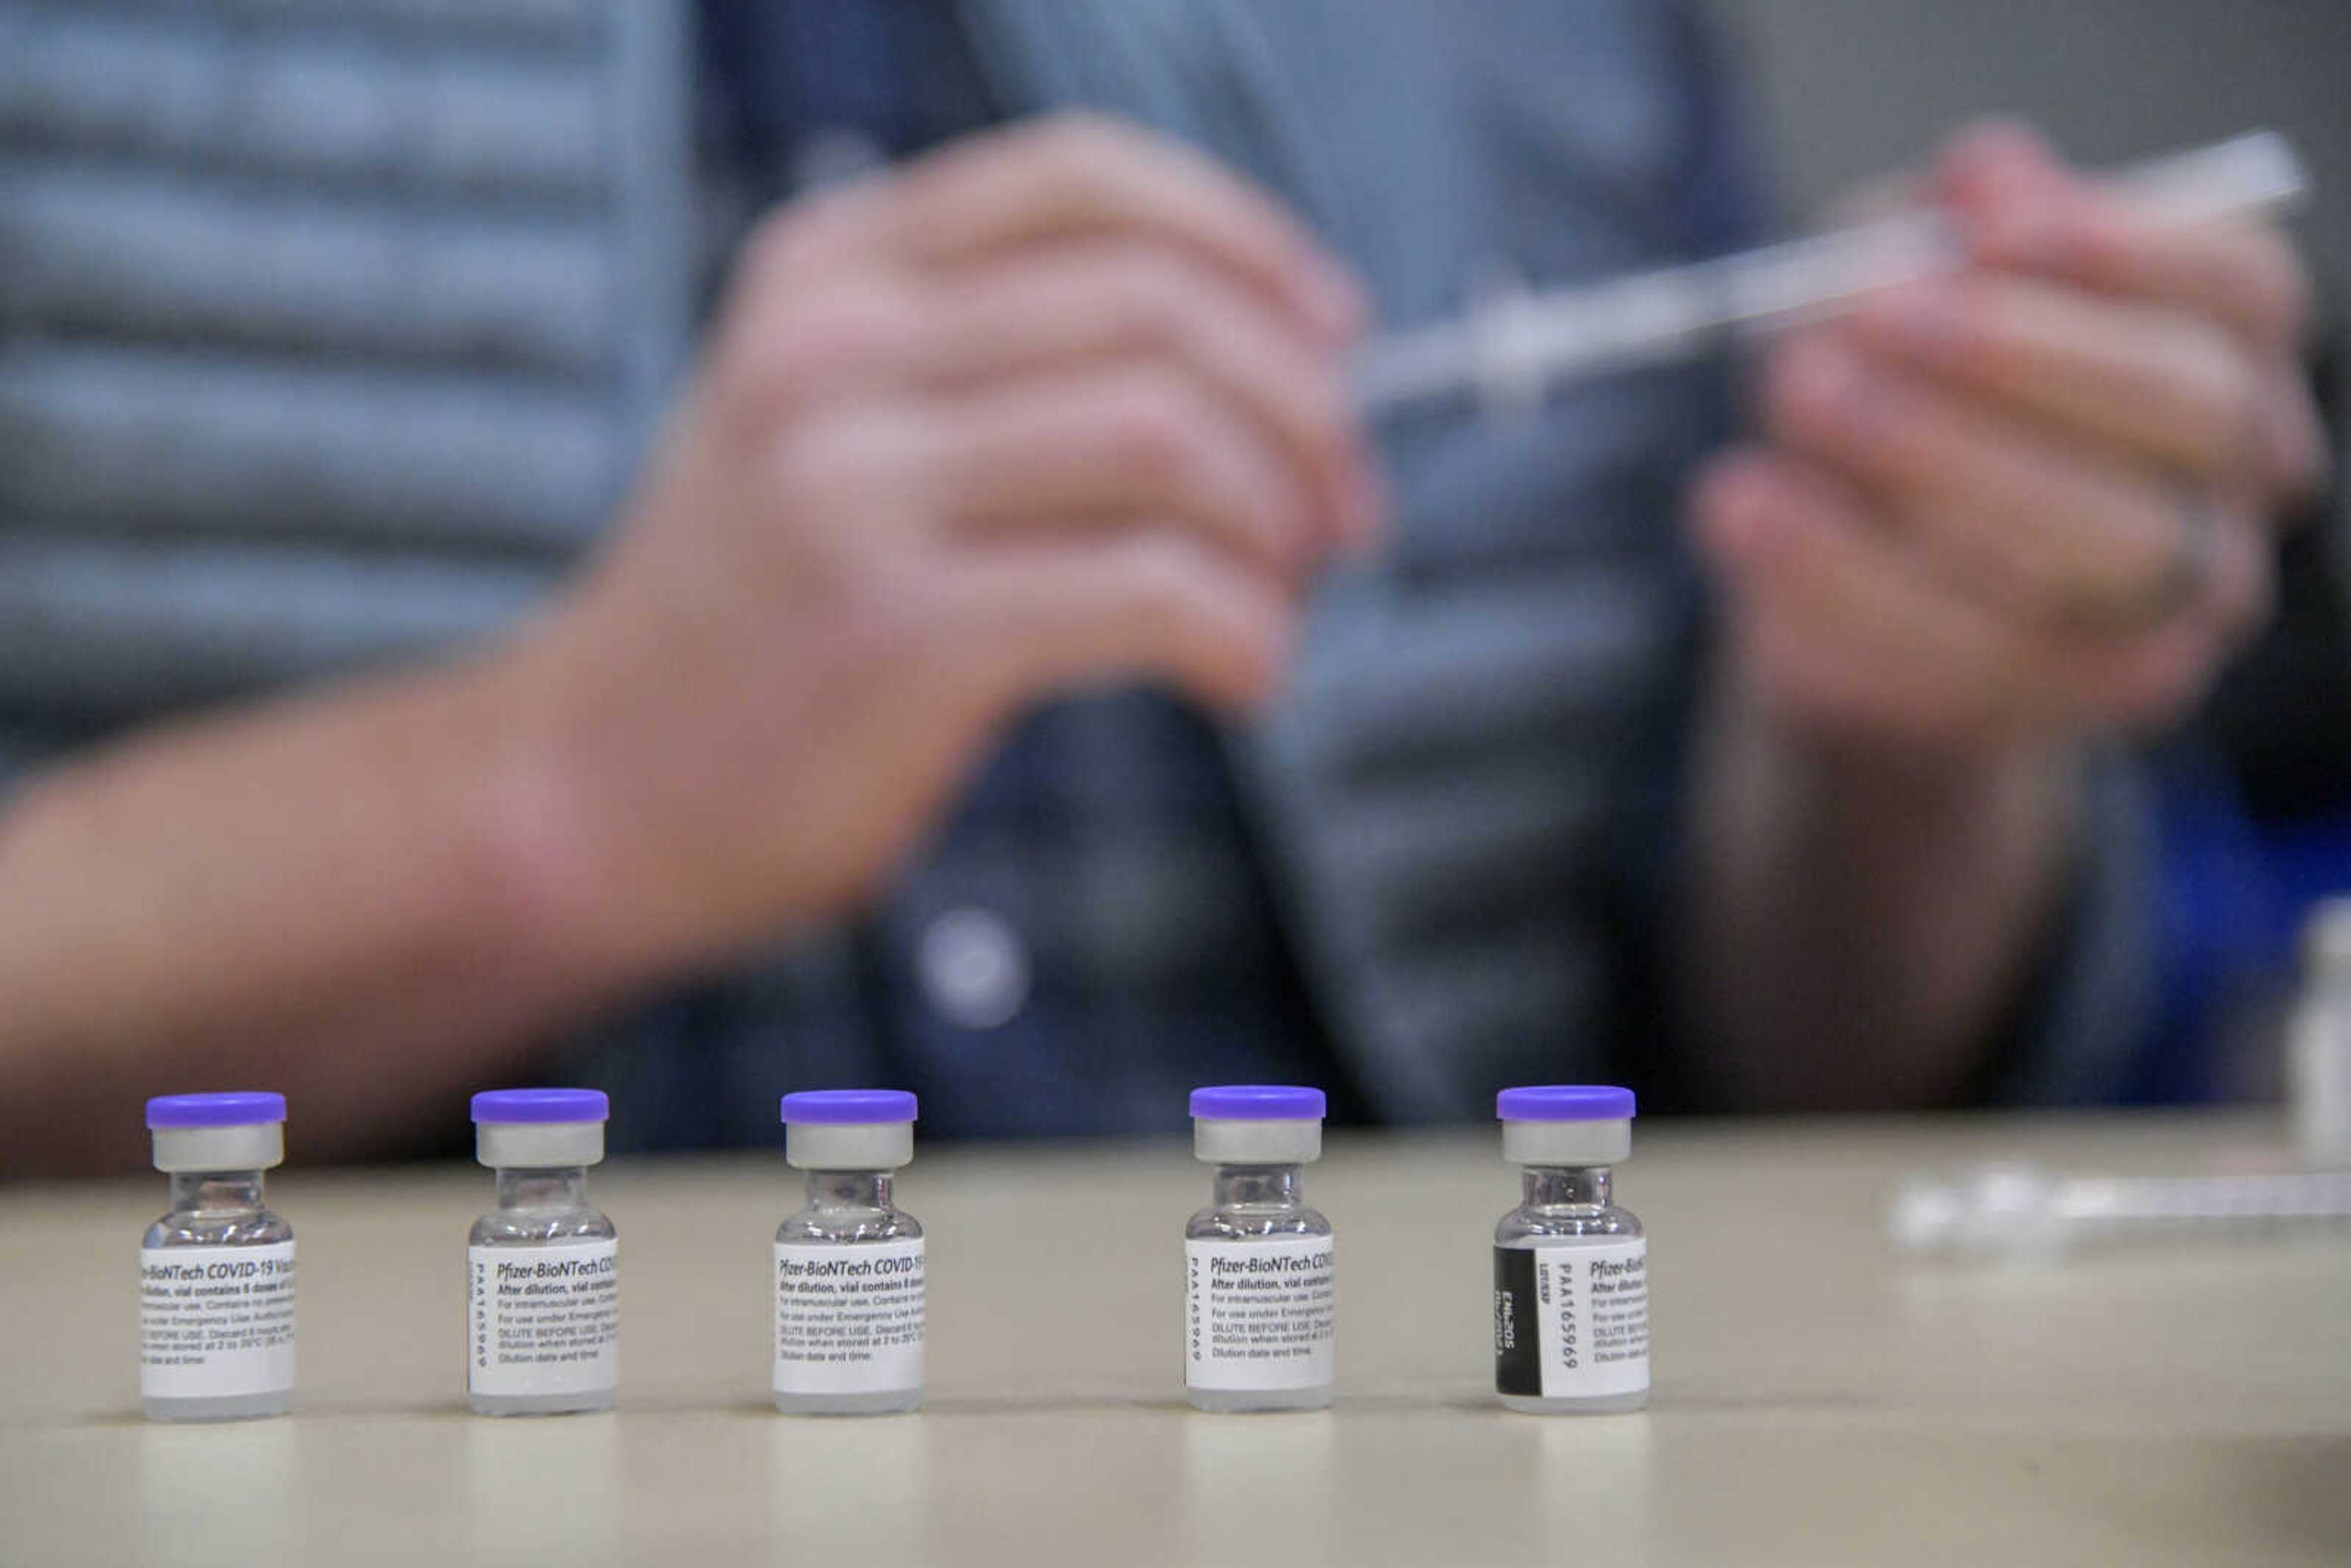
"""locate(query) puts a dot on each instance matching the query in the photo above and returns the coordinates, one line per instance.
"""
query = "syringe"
(1506, 354)
(2016, 1212)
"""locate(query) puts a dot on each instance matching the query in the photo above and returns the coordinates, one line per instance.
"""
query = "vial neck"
(215, 1192)
(1258, 1187)
(554, 1187)
(849, 1189)
(1565, 1187)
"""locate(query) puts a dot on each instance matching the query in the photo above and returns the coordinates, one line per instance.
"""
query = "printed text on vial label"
(1586, 1307)
(215, 1322)
(543, 1320)
(1260, 1314)
(849, 1319)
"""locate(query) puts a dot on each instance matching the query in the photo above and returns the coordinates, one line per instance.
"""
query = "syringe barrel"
(1496, 355)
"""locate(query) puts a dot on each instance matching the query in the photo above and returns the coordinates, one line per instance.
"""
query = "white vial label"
(215, 1322)
(1260, 1314)
(543, 1320)
(1572, 1322)
(848, 1317)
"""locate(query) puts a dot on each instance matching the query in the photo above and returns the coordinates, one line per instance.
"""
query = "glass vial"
(849, 1266)
(1570, 1269)
(1260, 1304)
(217, 1274)
(542, 1268)
(2318, 1040)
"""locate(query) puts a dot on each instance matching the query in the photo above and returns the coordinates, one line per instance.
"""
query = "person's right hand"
(1056, 405)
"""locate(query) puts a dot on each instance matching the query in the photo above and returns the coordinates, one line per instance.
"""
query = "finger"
(1150, 603)
(1084, 175)
(1836, 619)
(782, 354)
(1992, 160)
(2021, 208)
(2152, 383)
(1084, 303)
(1833, 620)
(2025, 521)
(1121, 441)
(2247, 276)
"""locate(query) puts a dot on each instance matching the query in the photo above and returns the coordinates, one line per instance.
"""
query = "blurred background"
(214, 482)
(1844, 89)
(2255, 796)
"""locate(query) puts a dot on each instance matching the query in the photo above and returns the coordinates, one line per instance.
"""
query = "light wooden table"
(1818, 1400)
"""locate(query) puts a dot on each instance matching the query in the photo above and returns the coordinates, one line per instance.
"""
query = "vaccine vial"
(2318, 1040)
(1570, 1269)
(217, 1274)
(1260, 1304)
(849, 1266)
(542, 1268)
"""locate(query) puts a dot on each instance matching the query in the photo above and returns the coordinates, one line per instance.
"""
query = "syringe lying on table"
(1505, 353)
(2016, 1212)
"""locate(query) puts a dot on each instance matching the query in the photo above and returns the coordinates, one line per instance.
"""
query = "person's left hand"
(2029, 502)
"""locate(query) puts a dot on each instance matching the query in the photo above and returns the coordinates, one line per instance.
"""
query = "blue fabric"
(1464, 790)
(897, 72)
(2235, 892)
(323, 346)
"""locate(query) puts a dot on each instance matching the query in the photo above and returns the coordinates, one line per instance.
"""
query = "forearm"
(1859, 916)
(364, 899)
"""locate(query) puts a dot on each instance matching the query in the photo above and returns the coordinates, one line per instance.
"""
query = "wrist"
(1775, 750)
(1953, 856)
(1866, 905)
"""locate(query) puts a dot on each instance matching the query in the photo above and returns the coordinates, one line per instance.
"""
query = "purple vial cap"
(1565, 1103)
(243, 1108)
(504, 1105)
(847, 1107)
(1257, 1103)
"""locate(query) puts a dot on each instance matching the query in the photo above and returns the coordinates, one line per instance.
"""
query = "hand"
(1057, 405)
(2030, 502)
